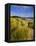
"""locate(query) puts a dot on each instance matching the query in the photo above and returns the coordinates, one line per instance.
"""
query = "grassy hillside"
(21, 29)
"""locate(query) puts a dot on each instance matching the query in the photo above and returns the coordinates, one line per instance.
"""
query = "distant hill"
(22, 17)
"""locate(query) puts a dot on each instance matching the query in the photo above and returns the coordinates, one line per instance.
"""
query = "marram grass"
(20, 30)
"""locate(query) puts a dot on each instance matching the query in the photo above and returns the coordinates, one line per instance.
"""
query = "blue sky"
(22, 11)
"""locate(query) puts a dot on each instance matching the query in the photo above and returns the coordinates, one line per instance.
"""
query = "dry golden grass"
(19, 29)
